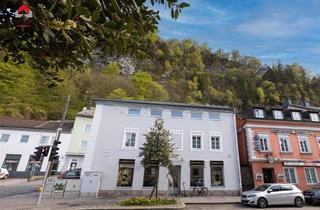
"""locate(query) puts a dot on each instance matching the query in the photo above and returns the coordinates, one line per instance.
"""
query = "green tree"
(118, 94)
(157, 150)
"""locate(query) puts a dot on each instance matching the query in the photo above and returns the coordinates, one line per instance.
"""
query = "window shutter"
(257, 143)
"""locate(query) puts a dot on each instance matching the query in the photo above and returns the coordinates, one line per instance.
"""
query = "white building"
(18, 139)
(204, 137)
(80, 136)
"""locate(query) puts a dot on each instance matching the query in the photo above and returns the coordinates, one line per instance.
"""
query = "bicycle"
(199, 189)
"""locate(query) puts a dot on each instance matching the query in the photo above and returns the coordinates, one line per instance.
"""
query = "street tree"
(157, 150)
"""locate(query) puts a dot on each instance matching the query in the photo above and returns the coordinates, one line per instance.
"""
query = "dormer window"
(278, 114)
(296, 115)
(314, 117)
(259, 113)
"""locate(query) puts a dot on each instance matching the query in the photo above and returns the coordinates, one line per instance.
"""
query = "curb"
(210, 203)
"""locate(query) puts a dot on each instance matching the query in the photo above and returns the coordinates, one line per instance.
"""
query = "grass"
(142, 201)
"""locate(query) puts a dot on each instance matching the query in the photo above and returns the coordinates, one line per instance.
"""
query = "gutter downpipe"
(237, 149)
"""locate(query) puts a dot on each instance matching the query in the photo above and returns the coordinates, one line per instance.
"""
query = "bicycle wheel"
(204, 191)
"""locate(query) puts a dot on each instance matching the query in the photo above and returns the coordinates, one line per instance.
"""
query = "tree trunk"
(157, 180)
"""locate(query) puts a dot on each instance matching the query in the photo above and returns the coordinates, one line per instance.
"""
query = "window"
(130, 138)
(196, 115)
(24, 139)
(87, 128)
(196, 172)
(215, 141)
(216, 173)
(214, 116)
(286, 187)
(4, 138)
(177, 139)
(83, 144)
(290, 175)
(149, 176)
(125, 173)
(304, 144)
(196, 140)
(310, 174)
(44, 140)
(277, 114)
(314, 117)
(262, 143)
(296, 115)
(11, 162)
(284, 144)
(132, 111)
(275, 188)
(258, 113)
(156, 112)
(176, 113)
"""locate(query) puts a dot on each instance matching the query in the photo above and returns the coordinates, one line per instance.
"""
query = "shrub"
(142, 201)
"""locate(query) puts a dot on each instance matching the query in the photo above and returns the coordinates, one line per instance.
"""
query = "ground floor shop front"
(302, 174)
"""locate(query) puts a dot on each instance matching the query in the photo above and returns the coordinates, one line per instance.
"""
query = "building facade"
(280, 145)
(18, 139)
(204, 138)
(80, 136)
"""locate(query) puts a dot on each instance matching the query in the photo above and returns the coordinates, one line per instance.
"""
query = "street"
(241, 207)
(13, 187)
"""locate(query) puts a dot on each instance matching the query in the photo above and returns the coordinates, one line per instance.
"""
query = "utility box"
(90, 183)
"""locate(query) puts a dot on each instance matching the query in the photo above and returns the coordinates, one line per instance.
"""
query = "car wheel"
(298, 202)
(262, 203)
(5, 177)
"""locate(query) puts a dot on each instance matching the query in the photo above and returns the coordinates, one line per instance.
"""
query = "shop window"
(216, 173)
(149, 176)
(125, 173)
(196, 172)
(11, 162)
(290, 175)
(310, 174)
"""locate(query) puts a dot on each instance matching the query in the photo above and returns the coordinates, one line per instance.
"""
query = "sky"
(271, 30)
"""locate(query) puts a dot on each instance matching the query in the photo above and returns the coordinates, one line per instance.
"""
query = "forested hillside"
(176, 71)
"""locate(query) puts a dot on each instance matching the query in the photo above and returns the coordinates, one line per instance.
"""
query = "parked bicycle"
(199, 189)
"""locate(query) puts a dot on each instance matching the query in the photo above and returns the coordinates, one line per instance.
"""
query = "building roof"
(178, 105)
(9, 122)
(86, 112)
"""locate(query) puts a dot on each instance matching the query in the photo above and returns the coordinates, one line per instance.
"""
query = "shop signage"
(300, 164)
(279, 130)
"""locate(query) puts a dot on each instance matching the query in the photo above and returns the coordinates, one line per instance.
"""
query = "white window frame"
(47, 140)
(258, 112)
(130, 114)
(7, 139)
(294, 117)
(302, 138)
(196, 112)
(130, 130)
(80, 146)
(157, 110)
(178, 132)
(178, 117)
(215, 134)
(85, 126)
(27, 139)
(305, 175)
(276, 114)
(268, 142)
(295, 175)
(288, 142)
(196, 133)
(211, 114)
(314, 117)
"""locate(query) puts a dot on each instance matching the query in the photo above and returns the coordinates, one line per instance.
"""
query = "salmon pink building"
(280, 145)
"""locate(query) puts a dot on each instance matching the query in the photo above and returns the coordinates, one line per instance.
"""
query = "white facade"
(207, 135)
(14, 146)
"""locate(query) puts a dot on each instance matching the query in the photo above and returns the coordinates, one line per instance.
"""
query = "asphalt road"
(13, 187)
(242, 207)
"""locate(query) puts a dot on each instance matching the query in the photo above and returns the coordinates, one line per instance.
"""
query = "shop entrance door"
(268, 175)
(175, 172)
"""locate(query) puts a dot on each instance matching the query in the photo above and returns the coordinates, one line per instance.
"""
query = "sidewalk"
(211, 200)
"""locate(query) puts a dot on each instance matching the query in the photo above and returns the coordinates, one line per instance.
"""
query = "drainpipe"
(237, 149)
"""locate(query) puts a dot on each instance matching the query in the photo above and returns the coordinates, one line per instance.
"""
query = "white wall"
(105, 149)
(13, 146)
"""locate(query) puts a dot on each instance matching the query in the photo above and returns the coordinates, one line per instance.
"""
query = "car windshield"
(262, 187)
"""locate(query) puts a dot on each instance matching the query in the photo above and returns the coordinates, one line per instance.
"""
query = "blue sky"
(288, 30)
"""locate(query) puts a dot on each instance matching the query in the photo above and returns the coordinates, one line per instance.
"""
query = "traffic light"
(54, 151)
(45, 151)
(38, 153)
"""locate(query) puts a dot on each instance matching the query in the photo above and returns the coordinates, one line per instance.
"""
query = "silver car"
(273, 194)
